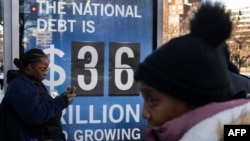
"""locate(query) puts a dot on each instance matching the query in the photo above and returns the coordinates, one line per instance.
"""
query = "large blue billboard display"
(94, 45)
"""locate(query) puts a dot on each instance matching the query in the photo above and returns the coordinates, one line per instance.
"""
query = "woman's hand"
(70, 93)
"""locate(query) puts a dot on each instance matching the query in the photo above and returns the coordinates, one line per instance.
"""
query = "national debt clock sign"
(95, 46)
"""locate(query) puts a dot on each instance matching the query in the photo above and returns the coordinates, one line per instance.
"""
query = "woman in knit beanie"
(185, 83)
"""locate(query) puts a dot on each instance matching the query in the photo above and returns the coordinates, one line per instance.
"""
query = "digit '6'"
(120, 68)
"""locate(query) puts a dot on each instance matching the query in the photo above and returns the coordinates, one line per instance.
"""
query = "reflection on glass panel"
(176, 23)
(239, 43)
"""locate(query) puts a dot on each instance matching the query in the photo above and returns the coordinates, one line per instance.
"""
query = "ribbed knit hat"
(193, 67)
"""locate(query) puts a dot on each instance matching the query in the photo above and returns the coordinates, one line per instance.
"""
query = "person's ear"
(29, 67)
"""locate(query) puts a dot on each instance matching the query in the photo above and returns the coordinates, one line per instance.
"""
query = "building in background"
(176, 16)
(239, 42)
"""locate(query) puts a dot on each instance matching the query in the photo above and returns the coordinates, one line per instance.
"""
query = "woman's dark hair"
(30, 57)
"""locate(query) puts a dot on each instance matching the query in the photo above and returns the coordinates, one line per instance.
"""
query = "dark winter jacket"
(240, 83)
(38, 112)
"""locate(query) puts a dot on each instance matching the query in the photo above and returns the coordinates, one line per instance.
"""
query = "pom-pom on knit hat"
(193, 67)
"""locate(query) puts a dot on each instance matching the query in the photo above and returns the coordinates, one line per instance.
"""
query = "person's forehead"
(44, 60)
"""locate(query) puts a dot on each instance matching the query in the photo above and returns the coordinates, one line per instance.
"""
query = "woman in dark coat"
(38, 113)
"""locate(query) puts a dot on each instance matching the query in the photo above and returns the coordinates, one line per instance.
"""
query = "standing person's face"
(40, 69)
(159, 107)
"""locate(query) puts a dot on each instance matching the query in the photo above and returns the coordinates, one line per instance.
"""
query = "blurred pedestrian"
(240, 83)
(1, 76)
(185, 83)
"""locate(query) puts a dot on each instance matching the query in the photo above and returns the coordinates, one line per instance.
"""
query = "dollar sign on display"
(52, 51)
